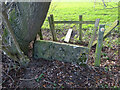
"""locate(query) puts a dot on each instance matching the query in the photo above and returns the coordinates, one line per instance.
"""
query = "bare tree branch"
(22, 57)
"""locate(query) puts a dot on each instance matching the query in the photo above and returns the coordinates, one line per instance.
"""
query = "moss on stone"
(51, 50)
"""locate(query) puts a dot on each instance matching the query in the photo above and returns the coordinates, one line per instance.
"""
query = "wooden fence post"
(80, 28)
(93, 34)
(52, 19)
(40, 34)
(107, 31)
(51, 23)
(99, 45)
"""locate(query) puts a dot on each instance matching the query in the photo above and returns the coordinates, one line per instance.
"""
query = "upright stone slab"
(51, 50)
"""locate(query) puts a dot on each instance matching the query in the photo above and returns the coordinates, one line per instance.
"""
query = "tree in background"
(103, 3)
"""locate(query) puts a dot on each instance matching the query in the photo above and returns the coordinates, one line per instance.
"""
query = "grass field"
(72, 10)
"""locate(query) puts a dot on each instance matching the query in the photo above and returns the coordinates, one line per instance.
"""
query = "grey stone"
(51, 50)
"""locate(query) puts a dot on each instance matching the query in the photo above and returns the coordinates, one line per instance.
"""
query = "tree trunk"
(26, 21)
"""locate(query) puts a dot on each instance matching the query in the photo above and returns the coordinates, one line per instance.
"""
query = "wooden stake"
(99, 45)
(52, 19)
(51, 24)
(93, 34)
(80, 28)
(107, 32)
(40, 34)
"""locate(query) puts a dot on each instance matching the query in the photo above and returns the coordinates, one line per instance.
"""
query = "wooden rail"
(75, 22)
(80, 22)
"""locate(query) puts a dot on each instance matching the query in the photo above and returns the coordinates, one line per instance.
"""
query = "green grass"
(72, 10)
